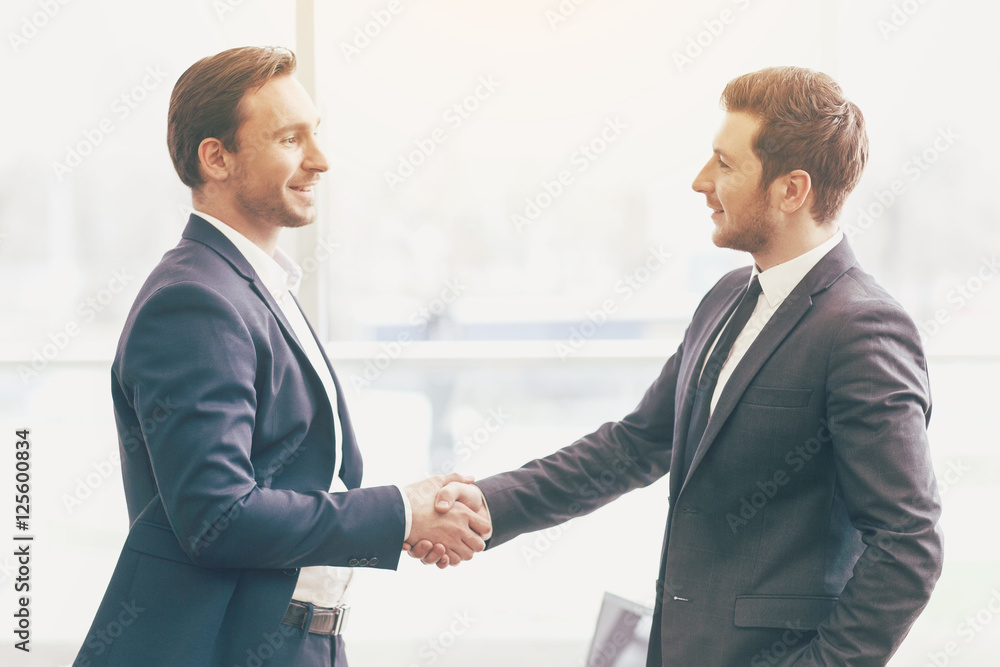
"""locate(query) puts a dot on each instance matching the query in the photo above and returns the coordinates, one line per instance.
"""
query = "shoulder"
(192, 294)
(856, 300)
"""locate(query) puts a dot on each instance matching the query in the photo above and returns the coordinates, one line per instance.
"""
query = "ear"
(216, 162)
(793, 190)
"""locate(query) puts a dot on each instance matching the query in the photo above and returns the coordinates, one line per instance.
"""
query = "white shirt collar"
(778, 282)
(280, 273)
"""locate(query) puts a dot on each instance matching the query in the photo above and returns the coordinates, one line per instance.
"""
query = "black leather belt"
(325, 621)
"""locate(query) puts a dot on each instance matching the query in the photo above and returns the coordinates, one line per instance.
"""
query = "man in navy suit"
(802, 523)
(242, 474)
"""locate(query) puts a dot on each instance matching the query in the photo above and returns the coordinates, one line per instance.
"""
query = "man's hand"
(455, 494)
(450, 520)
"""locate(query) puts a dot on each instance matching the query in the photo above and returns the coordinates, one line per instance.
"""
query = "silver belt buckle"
(340, 618)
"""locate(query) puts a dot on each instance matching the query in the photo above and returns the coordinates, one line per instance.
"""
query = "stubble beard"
(752, 232)
(269, 204)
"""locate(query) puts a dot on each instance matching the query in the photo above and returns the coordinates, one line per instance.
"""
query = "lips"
(304, 191)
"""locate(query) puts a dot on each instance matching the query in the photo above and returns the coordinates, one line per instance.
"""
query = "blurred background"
(508, 250)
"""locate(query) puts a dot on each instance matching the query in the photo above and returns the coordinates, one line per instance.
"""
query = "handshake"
(450, 520)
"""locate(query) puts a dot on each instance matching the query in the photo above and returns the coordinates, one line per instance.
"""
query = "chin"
(295, 219)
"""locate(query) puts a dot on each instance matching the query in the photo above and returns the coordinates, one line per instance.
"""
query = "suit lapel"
(203, 232)
(351, 466)
(701, 341)
(833, 265)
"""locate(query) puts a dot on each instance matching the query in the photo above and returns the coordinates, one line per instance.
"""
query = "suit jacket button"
(353, 562)
(291, 572)
(363, 562)
(373, 561)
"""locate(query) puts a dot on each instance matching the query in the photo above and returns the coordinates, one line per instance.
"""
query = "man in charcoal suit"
(242, 474)
(802, 525)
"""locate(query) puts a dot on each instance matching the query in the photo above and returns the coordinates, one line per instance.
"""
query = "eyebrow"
(723, 154)
(295, 126)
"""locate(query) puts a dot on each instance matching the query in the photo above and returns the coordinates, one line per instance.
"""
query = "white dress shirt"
(776, 284)
(324, 586)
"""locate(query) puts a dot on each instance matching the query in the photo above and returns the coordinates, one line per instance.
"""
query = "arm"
(189, 347)
(878, 404)
(576, 480)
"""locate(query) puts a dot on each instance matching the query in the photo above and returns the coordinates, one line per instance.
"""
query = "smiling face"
(278, 161)
(742, 212)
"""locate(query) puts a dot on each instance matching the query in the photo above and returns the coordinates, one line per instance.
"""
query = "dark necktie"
(710, 374)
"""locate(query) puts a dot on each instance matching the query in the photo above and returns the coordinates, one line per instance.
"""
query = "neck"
(264, 237)
(785, 248)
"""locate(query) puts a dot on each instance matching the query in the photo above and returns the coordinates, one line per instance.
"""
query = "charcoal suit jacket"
(227, 444)
(805, 532)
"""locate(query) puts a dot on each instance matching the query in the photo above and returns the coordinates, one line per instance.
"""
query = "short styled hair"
(207, 101)
(805, 123)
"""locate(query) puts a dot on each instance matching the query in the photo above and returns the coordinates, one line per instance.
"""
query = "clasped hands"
(450, 520)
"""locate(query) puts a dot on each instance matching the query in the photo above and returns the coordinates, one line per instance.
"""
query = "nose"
(315, 158)
(702, 182)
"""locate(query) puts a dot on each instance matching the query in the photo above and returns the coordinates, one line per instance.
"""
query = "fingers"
(435, 553)
(454, 477)
(449, 518)
(425, 490)
(430, 554)
(449, 495)
(470, 496)
(465, 493)
(482, 524)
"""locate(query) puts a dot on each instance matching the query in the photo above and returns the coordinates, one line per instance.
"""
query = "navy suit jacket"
(805, 532)
(227, 444)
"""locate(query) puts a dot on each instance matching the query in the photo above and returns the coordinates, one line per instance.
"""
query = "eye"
(723, 164)
(288, 140)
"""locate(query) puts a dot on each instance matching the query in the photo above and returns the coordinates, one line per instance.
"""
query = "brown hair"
(207, 101)
(806, 123)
